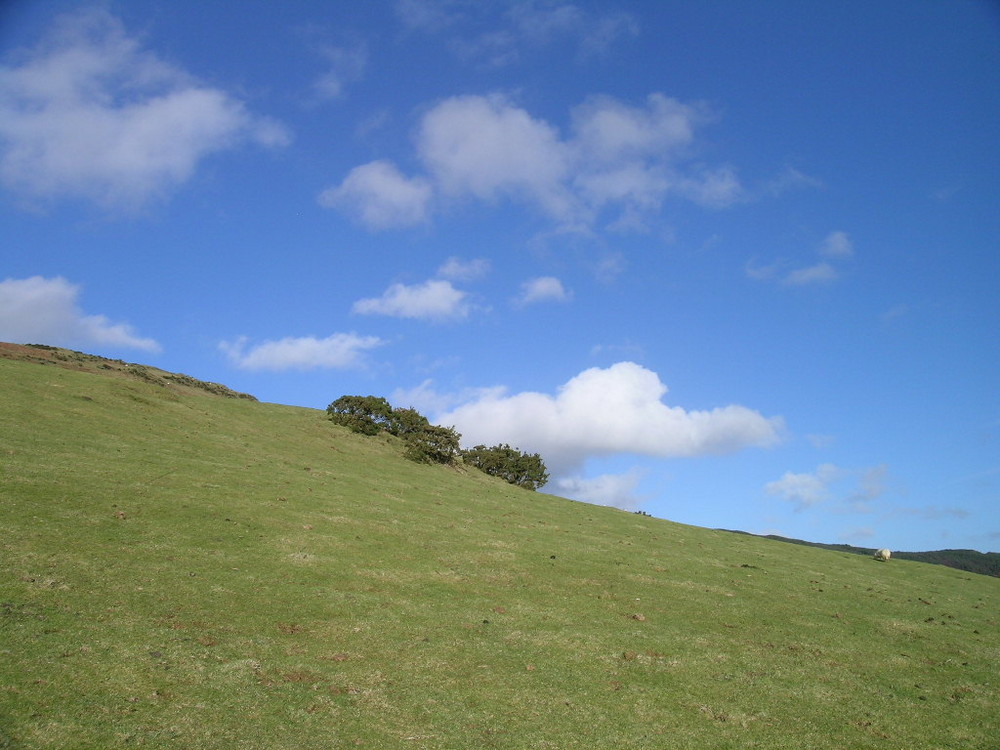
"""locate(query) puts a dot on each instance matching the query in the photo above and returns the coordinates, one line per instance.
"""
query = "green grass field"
(184, 570)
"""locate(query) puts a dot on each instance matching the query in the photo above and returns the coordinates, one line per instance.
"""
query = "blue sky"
(733, 264)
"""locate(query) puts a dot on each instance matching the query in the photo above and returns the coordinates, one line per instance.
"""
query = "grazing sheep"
(883, 555)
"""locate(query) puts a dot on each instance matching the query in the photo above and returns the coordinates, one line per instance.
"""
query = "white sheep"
(883, 555)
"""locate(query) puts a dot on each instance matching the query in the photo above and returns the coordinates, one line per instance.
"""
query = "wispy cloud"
(345, 65)
(457, 269)
(816, 274)
(837, 245)
(518, 30)
(835, 249)
(38, 310)
(850, 489)
(788, 179)
(435, 299)
(90, 114)
(805, 489)
(338, 351)
(542, 289)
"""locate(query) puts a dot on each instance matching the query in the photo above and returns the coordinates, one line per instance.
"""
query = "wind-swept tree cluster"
(428, 443)
(370, 415)
(510, 464)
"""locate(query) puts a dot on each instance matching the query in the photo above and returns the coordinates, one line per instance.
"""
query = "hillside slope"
(185, 570)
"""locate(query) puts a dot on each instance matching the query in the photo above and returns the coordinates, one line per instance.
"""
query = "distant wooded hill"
(973, 561)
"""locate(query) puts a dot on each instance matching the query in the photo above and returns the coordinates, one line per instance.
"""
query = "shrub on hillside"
(367, 415)
(408, 421)
(433, 444)
(510, 464)
(370, 415)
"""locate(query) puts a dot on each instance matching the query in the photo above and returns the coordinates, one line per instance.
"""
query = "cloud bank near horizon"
(38, 310)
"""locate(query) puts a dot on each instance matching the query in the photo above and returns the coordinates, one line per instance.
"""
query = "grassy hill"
(185, 570)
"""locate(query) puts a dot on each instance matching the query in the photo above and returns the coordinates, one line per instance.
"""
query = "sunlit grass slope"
(183, 570)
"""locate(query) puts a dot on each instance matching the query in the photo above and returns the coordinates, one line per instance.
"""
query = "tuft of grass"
(180, 570)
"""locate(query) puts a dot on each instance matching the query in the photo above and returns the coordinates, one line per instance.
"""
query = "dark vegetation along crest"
(180, 569)
(370, 415)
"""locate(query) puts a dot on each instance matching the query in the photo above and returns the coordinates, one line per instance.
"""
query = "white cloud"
(338, 351)
(427, 15)
(45, 311)
(518, 30)
(762, 273)
(601, 412)
(819, 440)
(788, 179)
(616, 490)
(433, 300)
(837, 245)
(346, 64)
(809, 489)
(541, 289)
(712, 188)
(89, 114)
(618, 162)
(610, 267)
(457, 269)
(425, 399)
(487, 148)
(819, 273)
(380, 196)
(608, 131)
(805, 490)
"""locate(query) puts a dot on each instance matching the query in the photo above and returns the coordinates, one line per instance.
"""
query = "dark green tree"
(368, 415)
(405, 422)
(510, 464)
(433, 444)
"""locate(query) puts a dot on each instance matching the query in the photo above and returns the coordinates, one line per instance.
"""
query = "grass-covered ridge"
(181, 570)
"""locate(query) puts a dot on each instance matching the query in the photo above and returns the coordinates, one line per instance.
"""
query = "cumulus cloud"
(487, 148)
(338, 351)
(602, 412)
(619, 162)
(616, 490)
(609, 130)
(542, 289)
(37, 310)
(89, 114)
(436, 299)
(381, 196)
